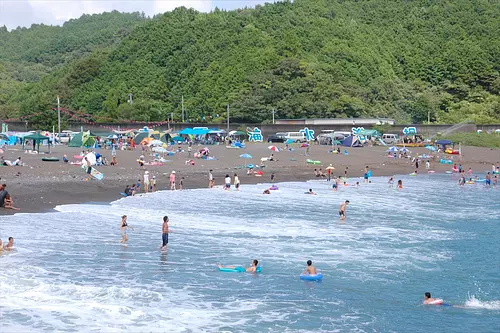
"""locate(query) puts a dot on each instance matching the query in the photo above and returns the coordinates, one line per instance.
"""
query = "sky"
(24, 13)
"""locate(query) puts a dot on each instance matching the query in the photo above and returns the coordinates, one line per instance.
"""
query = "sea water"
(69, 272)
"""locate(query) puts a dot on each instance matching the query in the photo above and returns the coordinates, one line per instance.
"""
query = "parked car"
(295, 136)
(390, 138)
(276, 138)
(63, 137)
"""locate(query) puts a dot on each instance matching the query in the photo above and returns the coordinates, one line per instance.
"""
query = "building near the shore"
(336, 121)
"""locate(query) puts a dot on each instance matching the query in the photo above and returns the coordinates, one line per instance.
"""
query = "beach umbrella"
(250, 166)
(331, 167)
(112, 136)
(431, 148)
(393, 149)
(273, 148)
(404, 150)
(304, 145)
(245, 156)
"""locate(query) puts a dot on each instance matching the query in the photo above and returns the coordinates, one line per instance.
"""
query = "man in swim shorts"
(428, 299)
(342, 209)
(251, 269)
(164, 233)
(310, 269)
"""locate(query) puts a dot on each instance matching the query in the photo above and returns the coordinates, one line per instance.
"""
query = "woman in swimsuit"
(123, 229)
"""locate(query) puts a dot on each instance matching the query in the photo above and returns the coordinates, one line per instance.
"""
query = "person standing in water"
(123, 229)
(342, 210)
(345, 172)
(145, 181)
(172, 181)
(367, 174)
(236, 182)
(164, 234)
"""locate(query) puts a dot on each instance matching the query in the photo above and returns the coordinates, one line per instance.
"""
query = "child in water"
(400, 184)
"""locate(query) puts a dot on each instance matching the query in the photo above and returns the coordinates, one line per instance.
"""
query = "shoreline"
(41, 186)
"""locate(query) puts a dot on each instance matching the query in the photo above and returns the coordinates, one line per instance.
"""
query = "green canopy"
(37, 138)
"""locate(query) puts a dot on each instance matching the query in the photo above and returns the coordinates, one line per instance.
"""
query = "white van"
(296, 136)
(390, 138)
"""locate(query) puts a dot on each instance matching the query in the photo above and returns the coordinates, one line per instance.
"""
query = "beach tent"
(165, 137)
(37, 138)
(186, 131)
(140, 136)
(147, 141)
(351, 141)
(444, 142)
(83, 139)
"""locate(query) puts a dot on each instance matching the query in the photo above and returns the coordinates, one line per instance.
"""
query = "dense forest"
(410, 60)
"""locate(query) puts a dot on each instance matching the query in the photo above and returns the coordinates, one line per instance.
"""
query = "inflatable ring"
(437, 301)
(308, 277)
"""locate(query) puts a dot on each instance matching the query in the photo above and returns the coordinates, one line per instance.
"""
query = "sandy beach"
(39, 186)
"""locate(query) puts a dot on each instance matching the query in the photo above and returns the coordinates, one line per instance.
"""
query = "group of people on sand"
(165, 230)
(7, 247)
(5, 198)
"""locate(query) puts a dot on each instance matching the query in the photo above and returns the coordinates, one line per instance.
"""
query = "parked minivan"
(296, 136)
(390, 138)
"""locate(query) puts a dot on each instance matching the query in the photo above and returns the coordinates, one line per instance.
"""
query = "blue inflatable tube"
(238, 269)
(307, 277)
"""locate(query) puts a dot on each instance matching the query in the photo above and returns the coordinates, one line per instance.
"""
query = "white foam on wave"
(475, 303)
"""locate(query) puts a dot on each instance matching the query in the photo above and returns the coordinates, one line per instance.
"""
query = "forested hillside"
(311, 58)
(27, 55)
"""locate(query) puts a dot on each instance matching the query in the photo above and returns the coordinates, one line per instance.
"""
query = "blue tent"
(351, 141)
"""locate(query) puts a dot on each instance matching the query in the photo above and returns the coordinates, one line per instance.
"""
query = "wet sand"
(40, 186)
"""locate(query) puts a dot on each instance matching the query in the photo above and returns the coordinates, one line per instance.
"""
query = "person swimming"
(310, 269)
(266, 191)
(251, 269)
(311, 192)
(428, 300)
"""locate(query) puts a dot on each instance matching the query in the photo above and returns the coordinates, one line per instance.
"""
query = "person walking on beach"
(181, 184)
(345, 172)
(227, 181)
(210, 179)
(342, 210)
(89, 168)
(172, 181)
(123, 229)
(145, 181)
(427, 164)
(272, 177)
(164, 234)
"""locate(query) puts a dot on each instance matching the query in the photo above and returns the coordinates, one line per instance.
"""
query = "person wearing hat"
(172, 181)
(146, 181)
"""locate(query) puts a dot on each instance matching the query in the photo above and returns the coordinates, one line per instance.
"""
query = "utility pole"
(171, 119)
(59, 117)
(428, 117)
(182, 105)
(130, 100)
(273, 115)
(228, 117)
